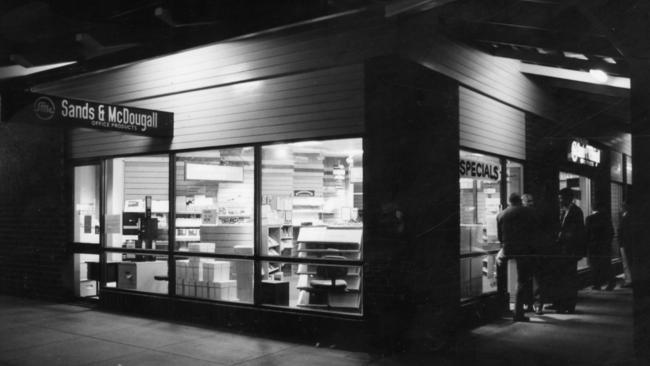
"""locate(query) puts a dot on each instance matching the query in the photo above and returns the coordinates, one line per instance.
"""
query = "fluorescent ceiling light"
(17, 70)
(575, 55)
(599, 75)
(609, 60)
(580, 76)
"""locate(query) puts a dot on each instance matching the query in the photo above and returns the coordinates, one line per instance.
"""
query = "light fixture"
(598, 75)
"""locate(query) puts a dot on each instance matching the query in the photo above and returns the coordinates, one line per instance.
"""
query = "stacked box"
(189, 288)
(202, 289)
(181, 270)
(193, 272)
(223, 290)
(214, 271)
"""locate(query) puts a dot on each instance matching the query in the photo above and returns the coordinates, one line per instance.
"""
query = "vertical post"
(639, 199)
(171, 227)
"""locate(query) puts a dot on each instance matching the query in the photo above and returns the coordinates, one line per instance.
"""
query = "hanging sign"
(68, 112)
(582, 153)
(479, 169)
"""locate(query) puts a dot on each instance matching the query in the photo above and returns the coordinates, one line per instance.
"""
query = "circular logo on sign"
(44, 108)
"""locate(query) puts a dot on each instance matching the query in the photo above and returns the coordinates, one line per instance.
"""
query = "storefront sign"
(67, 112)
(479, 170)
(583, 153)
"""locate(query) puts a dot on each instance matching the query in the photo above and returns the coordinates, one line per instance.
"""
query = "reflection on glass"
(214, 201)
(137, 203)
(137, 271)
(310, 184)
(311, 286)
(478, 275)
(86, 203)
(215, 279)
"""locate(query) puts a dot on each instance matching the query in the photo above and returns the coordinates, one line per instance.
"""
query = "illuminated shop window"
(312, 208)
(480, 203)
(86, 204)
(137, 203)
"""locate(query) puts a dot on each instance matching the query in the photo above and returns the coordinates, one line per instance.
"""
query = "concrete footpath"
(41, 333)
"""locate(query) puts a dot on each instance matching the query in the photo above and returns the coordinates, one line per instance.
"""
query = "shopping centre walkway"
(41, 333)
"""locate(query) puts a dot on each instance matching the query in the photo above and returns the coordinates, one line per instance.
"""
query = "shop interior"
(311, 208)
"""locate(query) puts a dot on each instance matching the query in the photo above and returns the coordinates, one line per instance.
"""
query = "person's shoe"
(521, 318)
(595, 288)
(538, 308)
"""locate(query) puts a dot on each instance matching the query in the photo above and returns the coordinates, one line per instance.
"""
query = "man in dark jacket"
(515, 228)
(600, 233)
(571, 246)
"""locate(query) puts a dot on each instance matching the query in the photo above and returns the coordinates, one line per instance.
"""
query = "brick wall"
(33, 215)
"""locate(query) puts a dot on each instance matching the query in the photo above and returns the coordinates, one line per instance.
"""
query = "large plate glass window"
(480, 202)
(86, 229)
(136, 223)
(311, 229)
(214, 218)
(86, 204)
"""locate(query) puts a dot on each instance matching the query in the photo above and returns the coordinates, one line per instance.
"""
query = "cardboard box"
(202, 289)
(223, 290)
(87, 288)
(215, 271)
(189, 288)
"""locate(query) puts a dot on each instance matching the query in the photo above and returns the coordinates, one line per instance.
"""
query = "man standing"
(625, 238)
(600, 233)
(515, 229)
(535, 299)
(571, 247)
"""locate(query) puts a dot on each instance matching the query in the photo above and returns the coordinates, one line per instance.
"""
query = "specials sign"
(68, 112)
(479, 170)
(582, 153)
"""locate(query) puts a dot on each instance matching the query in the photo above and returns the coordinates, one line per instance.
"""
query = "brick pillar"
(411, 204)
(33, 212)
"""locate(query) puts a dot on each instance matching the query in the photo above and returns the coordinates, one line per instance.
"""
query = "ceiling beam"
(532, 55)
(579, 76)
(533, 37)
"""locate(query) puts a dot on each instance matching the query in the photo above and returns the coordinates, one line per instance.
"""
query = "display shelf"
(324, 285)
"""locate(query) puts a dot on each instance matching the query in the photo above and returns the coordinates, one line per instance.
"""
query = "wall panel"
(490, 126)
(498, 77)
(327, 102)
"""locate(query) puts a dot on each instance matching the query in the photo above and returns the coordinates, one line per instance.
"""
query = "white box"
(215, 271)
(87, 288)
(181, 270)
(223, 290)
(202, 289)
(189, 288)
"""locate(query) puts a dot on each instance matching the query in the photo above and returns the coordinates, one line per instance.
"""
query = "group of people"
(547, 252)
